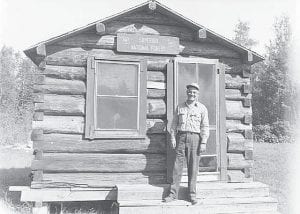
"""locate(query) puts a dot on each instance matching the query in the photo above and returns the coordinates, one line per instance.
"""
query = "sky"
(24, 23)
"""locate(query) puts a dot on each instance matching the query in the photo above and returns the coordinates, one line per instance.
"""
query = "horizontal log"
(77, 87)
(237, 161)
(66, 162)
(243, 69)
(156, 126)
(156, 76)
(65, 72)
(77, 57)
(75, 124)
(154, 143)
(96, 179)
(183, 33)
(237, 176)
(38, 116)
(156, 107)
(156, 93)
(206, 49)
(236, 94)
(60, 124)
(235, 142)
(156, 85)
(237, 126)
(149, 18)
(235, 81)
(61, 86)
(39, 79)
(38, 97)
(236, 111)
(62, 105)
(187, 47)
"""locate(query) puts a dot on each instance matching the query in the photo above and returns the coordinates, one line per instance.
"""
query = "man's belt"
(187, 132)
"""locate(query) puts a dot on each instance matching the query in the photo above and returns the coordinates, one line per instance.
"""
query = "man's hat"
(193, 85)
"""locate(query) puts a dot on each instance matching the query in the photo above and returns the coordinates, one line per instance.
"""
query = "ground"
(270, 167)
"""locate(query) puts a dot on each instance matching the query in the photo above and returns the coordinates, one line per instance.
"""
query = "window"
(116, 98)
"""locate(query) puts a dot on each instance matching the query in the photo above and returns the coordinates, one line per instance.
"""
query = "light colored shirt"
(191, 118)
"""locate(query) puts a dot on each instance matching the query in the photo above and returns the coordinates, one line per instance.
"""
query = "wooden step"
(207, 201)
(204, 190)
(201, 208)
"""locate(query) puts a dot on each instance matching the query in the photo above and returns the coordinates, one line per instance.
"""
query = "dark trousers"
(187, 146)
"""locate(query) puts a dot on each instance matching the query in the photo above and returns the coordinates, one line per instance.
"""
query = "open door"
(208, 73)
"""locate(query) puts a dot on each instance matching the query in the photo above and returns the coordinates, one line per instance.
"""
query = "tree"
(241, 37)
(274, 95)
(16, 106)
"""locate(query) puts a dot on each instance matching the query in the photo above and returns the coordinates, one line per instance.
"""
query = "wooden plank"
(222, 124)
(170, 112)
(60, 124)
(99, 179)
(154, 143)
(65, 72)
(62, 105)
(147, 44)
(48, 195)
(66, 162)
(61, 86)
(235, 110)
(204, 201)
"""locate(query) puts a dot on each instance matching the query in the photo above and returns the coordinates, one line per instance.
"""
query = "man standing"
(189, 134)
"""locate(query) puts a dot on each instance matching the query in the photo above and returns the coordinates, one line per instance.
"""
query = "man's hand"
(202, 147)
(173, 142)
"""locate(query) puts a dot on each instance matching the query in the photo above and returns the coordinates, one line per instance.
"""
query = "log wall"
(63, 155)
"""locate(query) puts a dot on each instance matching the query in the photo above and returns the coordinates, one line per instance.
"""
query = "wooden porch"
(213, 197)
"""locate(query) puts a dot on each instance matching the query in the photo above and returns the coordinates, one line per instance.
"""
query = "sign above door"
(152, 44)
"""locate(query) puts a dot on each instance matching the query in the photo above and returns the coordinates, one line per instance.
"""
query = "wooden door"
(207, 73)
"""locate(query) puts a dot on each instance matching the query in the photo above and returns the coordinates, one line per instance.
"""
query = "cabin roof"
(31, 51)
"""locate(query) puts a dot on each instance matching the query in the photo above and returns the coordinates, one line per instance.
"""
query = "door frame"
(221, 144)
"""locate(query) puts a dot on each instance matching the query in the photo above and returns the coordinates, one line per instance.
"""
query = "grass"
(271, 166)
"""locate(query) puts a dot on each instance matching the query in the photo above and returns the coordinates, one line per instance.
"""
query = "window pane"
(186, 75)
(117, 113)
(117, 79)
(207, 95)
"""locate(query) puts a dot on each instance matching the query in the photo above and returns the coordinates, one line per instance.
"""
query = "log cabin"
(104, 98)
